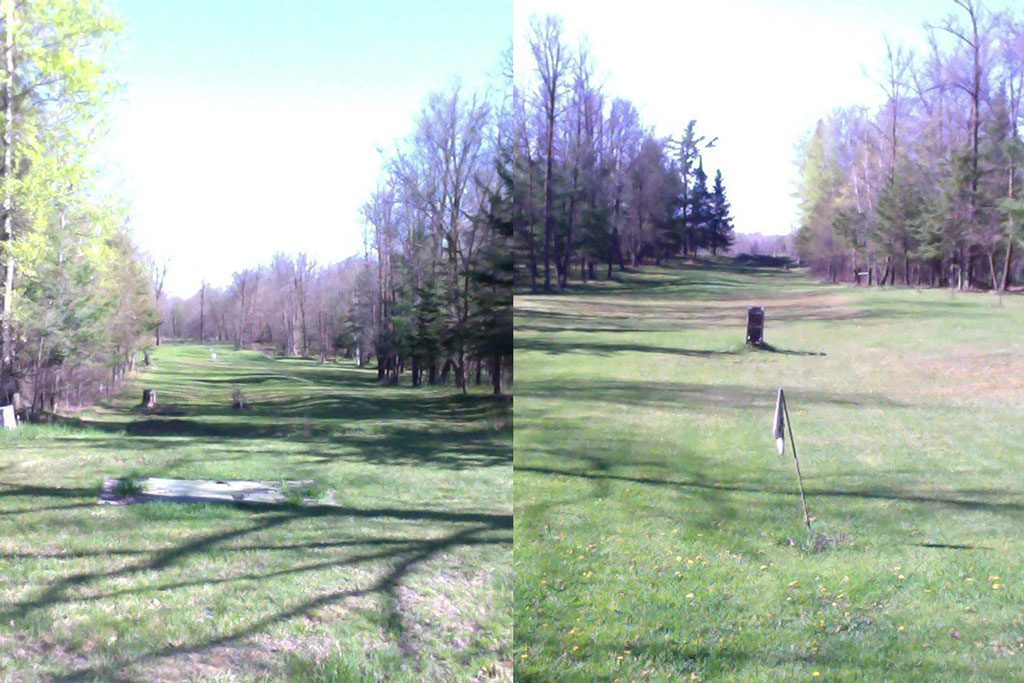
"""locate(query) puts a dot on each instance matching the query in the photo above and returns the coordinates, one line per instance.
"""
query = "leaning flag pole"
(782, 418)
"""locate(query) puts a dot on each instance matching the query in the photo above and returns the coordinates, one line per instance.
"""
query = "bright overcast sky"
(757, 74)
(252, 126)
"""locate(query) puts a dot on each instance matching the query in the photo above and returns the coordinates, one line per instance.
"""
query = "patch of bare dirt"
(965, 376)
(259, 656)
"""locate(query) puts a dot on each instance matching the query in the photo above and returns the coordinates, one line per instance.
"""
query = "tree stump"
(238, 400)
(149, 398)
(755, 325)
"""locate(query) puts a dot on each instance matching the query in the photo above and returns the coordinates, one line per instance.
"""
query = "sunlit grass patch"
(160, 591)
(660, 537)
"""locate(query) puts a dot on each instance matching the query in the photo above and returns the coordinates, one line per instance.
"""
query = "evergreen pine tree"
(699, 211)
(490, 327)
(720, 220)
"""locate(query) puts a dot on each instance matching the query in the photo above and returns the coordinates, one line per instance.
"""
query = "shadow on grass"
(764, 346)
(548, 345)
(685, 395)
(403, 556)
(323, 426)
(734, 663)
(875, 493)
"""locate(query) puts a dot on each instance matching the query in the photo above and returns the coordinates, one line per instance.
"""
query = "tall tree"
(719, 217)
(552, 64)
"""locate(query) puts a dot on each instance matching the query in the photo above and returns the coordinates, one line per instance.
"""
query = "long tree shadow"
(553, 346)
(876, 493)
(440, 436)
(405, 554)
(685, 395)
(385, 586)
(344, 416)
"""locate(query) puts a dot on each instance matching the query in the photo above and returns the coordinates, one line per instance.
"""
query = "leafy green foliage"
(81, 302)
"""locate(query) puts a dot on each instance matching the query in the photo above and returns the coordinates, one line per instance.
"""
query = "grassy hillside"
(658, 535)
(408, 577)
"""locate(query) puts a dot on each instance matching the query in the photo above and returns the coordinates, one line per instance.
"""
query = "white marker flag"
(779, 423)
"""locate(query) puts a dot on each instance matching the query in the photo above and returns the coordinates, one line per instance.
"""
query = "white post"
(7, 418)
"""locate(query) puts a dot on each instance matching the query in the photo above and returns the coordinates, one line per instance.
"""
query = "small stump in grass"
(755, 326)
(149, 398)
(238, 400)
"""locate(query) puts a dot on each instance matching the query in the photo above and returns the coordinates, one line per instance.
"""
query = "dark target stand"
(755, 325)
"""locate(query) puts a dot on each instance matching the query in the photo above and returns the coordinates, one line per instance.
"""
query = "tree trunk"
(496, 374)
(7, 325)
(1006, 266)
(549, 191)
(202, 312)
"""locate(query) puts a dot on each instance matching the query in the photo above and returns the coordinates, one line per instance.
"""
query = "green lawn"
(407, 578)
(658, 535)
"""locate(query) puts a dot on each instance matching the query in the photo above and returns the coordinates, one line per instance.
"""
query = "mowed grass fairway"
(408, 577)
(658, 535)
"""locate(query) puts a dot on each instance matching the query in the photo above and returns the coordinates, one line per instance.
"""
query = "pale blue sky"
(252, 126)
(755, 73)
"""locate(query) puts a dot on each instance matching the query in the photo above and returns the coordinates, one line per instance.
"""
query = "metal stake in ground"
(782, 415)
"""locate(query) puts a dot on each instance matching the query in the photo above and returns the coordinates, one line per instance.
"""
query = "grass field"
(407, 578)
(658, 535)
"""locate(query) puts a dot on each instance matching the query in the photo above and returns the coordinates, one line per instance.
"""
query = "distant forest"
(596, 189)
(430, 299)
(924, 190)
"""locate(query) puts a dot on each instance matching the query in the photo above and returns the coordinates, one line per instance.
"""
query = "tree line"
(429, 299)
(77, 309)
(923, 189)
(594, 187)
(293, 304)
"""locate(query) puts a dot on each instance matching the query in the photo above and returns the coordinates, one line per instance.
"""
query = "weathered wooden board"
(156, 489)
